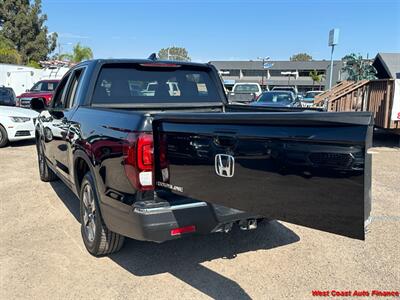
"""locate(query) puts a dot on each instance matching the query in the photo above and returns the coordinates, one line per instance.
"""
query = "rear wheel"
(46, 174)
(98, 239)
(3, 137)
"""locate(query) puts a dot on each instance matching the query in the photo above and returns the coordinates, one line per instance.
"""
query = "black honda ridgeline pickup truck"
(155, 152)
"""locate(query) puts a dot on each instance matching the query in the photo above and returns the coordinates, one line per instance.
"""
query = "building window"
(254, 73)
(276, 73)
(226, 72)
(306, 73)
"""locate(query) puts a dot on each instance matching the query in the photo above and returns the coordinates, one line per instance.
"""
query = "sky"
(226, 30)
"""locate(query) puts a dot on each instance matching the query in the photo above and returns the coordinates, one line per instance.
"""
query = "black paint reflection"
(317, 182)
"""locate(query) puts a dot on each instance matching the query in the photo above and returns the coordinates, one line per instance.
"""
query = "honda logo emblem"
(224, 165)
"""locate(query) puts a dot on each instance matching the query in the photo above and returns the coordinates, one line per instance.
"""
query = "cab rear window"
(138, 84)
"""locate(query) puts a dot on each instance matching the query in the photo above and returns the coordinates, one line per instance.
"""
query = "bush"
(10, 56)
(33, 64)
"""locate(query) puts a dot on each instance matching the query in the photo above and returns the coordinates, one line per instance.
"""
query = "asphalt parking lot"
(42, 255)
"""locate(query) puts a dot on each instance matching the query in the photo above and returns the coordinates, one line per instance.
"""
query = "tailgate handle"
(225, 141)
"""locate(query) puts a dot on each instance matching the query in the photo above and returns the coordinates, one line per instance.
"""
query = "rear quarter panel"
(100, 134)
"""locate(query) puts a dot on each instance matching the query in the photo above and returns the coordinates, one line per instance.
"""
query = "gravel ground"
(42, 255)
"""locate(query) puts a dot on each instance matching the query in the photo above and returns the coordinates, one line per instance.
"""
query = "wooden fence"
(375, 96)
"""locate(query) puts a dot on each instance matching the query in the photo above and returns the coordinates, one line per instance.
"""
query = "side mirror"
(37, 104)
(57, 114)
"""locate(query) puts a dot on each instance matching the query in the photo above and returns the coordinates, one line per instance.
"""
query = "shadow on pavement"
(183, 258)
(67, 197)
(22, 143)
(386, 139)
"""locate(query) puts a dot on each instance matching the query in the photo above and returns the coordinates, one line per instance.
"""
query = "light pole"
(331, 68)
(263, 59)
(333, 41)
(60, 47)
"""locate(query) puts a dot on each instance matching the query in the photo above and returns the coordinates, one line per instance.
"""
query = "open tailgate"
(307, 168)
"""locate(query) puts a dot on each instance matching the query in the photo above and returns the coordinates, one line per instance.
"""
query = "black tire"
(98, 239)
(3, 137)
(46, 174)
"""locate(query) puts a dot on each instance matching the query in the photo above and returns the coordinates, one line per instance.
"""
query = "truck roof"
(142, 61)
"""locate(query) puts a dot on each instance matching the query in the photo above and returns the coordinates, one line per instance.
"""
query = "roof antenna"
(152, 56)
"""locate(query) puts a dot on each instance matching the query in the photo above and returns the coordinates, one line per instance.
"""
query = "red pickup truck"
(42, 89)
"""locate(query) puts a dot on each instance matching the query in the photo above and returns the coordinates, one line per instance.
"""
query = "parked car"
(43, 89)
(16, 124)
(244, 92)
(247, 87)
(309, 97)
(7, 96)
(163, 166)
(277, 98)
(286, 88)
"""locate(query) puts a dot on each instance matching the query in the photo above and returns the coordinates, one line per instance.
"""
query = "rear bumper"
(149, 222)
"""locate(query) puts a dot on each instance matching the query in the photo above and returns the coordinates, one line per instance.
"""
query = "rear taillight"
(145, 152)
(182, 230)
(138, 162)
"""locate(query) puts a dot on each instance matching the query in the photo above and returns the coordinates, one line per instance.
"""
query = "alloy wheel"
(89, 214)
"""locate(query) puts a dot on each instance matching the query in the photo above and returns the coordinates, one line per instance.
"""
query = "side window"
(71, 95)
(51, 86)
(59, 96)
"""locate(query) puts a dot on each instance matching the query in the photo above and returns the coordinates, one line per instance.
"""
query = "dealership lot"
(42, 254)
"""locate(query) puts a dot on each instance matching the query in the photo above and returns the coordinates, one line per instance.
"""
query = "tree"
(316, 77)
(79, 53)
(23, 24)
(301, 57)
(8, 54)
(358, 68)
(34, 64)
(174, 53)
